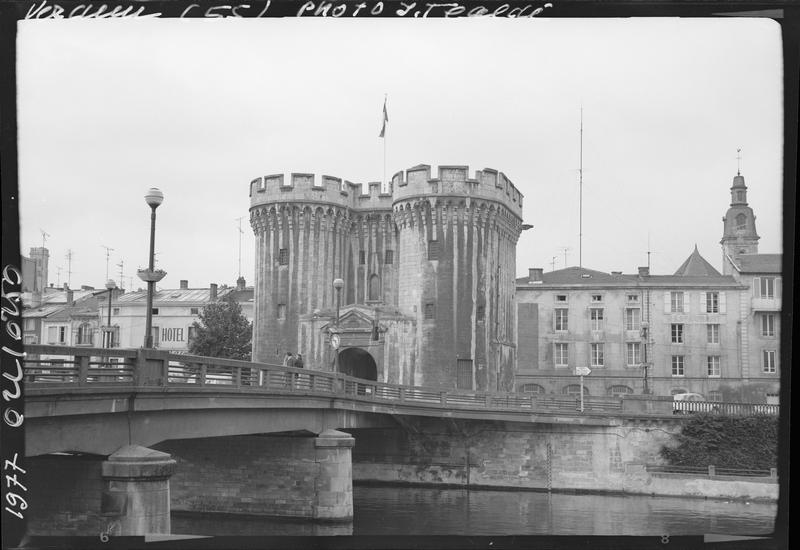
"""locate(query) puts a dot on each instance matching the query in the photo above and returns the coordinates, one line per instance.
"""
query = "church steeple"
(739, 225)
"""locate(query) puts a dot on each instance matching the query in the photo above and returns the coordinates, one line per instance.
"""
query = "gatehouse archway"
(358, 363)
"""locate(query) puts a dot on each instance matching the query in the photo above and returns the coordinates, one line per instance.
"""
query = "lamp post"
(338, 284)
(153, 198)
(110, 286)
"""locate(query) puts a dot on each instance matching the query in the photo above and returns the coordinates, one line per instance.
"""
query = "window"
(194, 311)
(632, 318)
(714, 396)
(677, 333)
(633, 298)
(575, 389)
(532, 388)
(281, 311)
(767, 287)
(56, 335)
(712, 302)
(433, 250)
(561, 298)
(480, 312)
(388, 257)
(115, 311)
(768, 324)
(561, 320)
(596, 316)
(283, 256)
(561, 354)
(712, 331)
(596, 353)
(155, 311)
(712, 361)
(619, 390)
(676, 302)
(633, 354)
(430, 311)
(597, 297)
(85, 333)
(30, 324)
(768, 361)
(464, 374)
(677, 366)
(362, 257)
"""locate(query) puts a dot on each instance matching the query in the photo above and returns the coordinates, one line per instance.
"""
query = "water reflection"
(430, 511)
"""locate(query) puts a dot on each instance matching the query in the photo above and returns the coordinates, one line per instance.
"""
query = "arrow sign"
(582, 371)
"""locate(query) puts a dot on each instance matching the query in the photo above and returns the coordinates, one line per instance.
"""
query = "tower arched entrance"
(358, 363)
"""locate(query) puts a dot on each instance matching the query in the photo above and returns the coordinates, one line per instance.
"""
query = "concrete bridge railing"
(60, 368)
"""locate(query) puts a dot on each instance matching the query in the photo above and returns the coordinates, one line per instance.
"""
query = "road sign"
(582, 371)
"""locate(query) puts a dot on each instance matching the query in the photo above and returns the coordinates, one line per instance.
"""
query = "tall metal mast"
(580, 200)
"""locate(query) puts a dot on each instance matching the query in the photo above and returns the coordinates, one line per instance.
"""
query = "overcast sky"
(198, 108)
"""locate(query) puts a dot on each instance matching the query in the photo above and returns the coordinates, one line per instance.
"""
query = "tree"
(222, 331)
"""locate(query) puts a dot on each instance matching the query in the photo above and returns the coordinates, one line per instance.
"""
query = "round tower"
(739, 226)
(301, 226)
(457, 247)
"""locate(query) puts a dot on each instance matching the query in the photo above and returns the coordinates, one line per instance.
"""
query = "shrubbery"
(726, 442)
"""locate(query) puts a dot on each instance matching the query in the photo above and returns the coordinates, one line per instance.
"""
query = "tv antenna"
(45, 234)
(564, 249)
(121, 266)
(58, 275)
(553, 263)
(108, 255)
(69, 267)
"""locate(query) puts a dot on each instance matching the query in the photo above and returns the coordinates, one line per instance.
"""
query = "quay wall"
(486, 454)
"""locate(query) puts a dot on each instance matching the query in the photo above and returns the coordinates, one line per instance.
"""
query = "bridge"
(143, 416)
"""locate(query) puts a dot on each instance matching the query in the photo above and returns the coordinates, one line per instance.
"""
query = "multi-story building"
(696, 330)
(174, 313)
(427, 273)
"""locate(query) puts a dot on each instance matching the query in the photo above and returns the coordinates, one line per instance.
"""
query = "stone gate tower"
(428, 269)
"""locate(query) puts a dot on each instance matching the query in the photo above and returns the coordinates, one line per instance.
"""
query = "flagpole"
(385, 189)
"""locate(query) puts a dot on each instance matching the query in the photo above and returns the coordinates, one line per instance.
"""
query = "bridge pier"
(136, 499)
(298, 475)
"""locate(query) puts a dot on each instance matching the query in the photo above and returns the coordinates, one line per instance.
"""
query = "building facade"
(427, 270)
(697, 330)
(174, 313)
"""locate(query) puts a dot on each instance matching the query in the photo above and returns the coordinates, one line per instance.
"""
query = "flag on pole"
(385, 119)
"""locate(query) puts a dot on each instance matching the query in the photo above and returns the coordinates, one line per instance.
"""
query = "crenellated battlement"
(303, 187)
(487, 184)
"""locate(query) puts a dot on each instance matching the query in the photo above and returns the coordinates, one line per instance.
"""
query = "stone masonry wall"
(505, 454)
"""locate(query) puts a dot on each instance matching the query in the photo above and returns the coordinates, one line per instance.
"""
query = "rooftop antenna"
(108, 255)
(121, 266)
(45, 234)
(69, 267)
(580, 200)
(738, 162)
(240, 245)
(553, 263)
(648, 251)
(58, 275)
(564, 249)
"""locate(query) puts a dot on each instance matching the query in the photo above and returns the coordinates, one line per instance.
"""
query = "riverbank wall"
(544, 457)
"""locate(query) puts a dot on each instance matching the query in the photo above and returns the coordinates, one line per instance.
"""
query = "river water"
(432, 511)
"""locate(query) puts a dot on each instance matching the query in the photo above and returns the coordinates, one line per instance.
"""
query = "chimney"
(644, 271)
(616, 273)
(535, 275)
(240, 283)
(66, 286)
(70, 299)
(212, 296)
(184, 284)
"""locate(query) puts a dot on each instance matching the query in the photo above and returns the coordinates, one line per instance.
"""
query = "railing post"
(237, 376)
(402, 394)
(443, 398)
(312, 382)
(201, 376)
(83, 369)
(488, 400)
(533, 402)
(773, 473)
(712, 470)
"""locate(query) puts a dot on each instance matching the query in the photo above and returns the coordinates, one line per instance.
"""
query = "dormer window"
(561, 298)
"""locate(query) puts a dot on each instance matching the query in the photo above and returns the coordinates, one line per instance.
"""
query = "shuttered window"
(464, 374)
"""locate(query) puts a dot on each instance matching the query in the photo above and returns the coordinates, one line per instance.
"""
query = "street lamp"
(153, 198)
(111, 286)
(338, 284)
